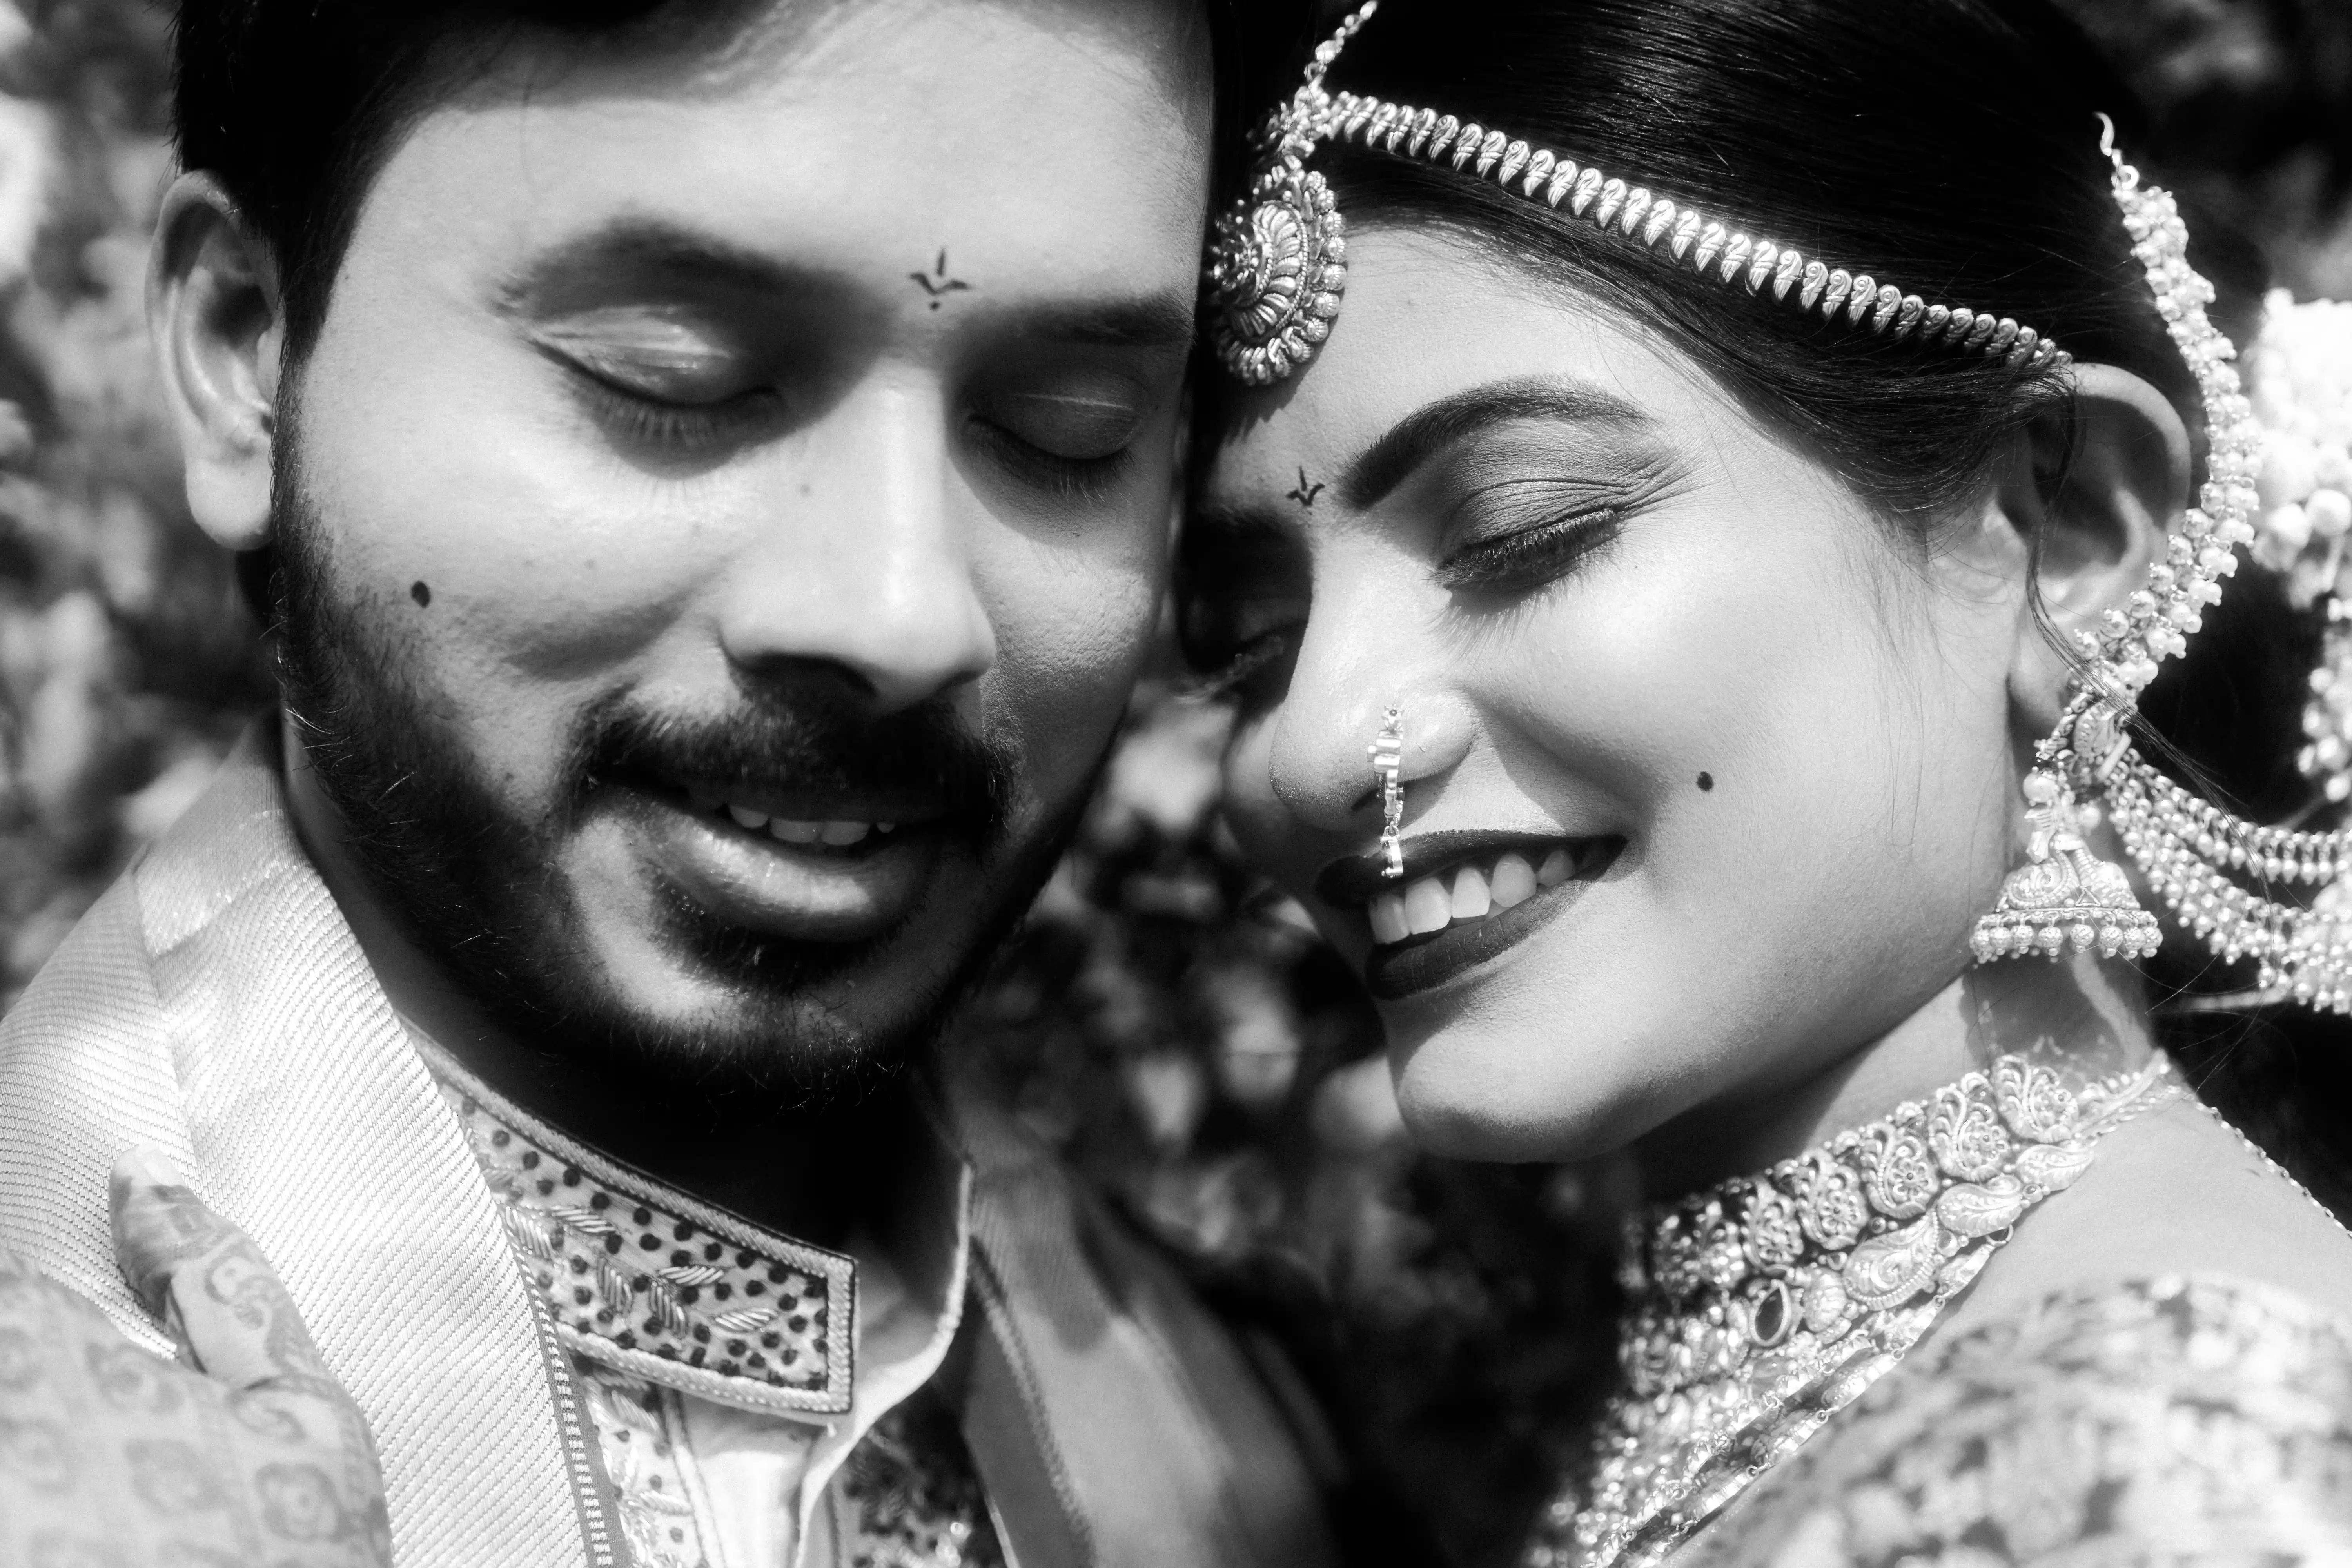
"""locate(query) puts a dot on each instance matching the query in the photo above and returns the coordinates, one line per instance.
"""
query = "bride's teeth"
(746, 817)
(1388, 923)
(1514, 881)
(1471, 900)
(1557, 866)
(839, 833)
(886, 828)
(796, 832)
(1428, 906)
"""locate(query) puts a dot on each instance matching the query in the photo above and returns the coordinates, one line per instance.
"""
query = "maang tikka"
(1275, 275)
(1386, 752)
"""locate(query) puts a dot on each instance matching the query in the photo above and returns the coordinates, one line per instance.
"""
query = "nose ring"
(1386, 752)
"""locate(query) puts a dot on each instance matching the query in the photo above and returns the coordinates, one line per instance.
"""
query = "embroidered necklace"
(1759, 1308)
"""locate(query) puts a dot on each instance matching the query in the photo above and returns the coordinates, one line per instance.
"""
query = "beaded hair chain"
(1277, 266)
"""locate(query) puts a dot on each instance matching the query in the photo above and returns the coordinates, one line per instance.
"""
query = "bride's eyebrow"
(1432, 428)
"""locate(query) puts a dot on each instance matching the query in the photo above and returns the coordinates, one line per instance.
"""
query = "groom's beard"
(476, 883)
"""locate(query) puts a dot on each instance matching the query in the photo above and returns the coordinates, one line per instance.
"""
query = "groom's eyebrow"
(1145, 321)
(1432, 428)
(642, 250)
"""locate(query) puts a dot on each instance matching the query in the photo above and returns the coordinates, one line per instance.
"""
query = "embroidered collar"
(640, 1277)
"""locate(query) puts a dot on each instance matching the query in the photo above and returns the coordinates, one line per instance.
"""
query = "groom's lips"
(751, 861)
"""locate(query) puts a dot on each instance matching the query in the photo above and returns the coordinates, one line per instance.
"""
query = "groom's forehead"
(1055, 143)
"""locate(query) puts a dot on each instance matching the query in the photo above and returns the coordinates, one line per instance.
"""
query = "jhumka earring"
(1386, 752)
(2063, 898)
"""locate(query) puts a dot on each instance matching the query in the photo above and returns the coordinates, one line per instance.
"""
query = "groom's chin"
(689, 1006)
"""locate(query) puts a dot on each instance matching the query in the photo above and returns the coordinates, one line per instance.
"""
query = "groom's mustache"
(921, 764)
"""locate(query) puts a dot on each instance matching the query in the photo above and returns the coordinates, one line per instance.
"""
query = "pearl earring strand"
(2063, 898)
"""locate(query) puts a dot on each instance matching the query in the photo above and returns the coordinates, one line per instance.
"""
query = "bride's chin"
(1468, 1092)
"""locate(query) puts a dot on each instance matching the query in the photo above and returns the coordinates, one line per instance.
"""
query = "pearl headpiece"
(1278, 260)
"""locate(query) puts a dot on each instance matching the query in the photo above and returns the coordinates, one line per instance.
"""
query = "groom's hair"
(293, 105)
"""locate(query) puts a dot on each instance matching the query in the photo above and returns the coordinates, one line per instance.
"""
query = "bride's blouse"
(2195, 1418)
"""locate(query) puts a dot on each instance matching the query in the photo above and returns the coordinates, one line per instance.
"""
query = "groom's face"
(726, 504)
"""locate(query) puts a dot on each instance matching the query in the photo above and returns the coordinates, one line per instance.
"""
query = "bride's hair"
(1948, 146)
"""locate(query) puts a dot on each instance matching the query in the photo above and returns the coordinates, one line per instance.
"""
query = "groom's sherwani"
(511, 1314)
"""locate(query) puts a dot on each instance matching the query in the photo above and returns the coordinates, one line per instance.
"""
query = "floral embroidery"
(2169, 1420)
(918, 1502)
(642, 1461)
(653, 1283)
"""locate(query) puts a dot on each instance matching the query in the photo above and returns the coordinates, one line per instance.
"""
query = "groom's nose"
(863, 566)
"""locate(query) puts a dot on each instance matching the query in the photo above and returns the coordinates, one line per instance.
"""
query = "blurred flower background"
(1172, 1025)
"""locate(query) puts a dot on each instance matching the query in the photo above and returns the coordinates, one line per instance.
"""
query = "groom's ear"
(2096, 494)
(215, 313)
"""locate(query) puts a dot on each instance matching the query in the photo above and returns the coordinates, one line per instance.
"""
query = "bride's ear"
(2098, 508)
(215, 311)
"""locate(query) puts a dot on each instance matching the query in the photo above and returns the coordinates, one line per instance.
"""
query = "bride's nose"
(1334, 712)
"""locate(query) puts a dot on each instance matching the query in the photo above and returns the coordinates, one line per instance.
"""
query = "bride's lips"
(1464, 897)
(829, 870)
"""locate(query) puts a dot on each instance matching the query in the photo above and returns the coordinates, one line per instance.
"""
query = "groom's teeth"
(1388, 923)
(785, 830)
(1470, 899)
(1514, 881)
(1428, 906)
(1557, 866)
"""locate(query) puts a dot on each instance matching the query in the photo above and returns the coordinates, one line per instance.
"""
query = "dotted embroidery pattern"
(657, 1284)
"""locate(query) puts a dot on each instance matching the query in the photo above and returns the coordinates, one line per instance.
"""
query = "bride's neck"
(2083, 1018)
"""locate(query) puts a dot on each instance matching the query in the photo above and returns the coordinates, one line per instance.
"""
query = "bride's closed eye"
(1526, 534)
(1506, 534)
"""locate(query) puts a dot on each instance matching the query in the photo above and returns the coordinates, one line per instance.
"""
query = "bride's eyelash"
(1530, 557)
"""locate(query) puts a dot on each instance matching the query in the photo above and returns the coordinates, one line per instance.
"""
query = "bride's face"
(1708, 768)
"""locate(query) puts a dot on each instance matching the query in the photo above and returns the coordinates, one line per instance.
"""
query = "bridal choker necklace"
(1758, 1308)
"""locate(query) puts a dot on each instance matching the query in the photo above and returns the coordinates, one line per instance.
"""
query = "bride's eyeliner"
(1529, 558)
(1515, 528)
